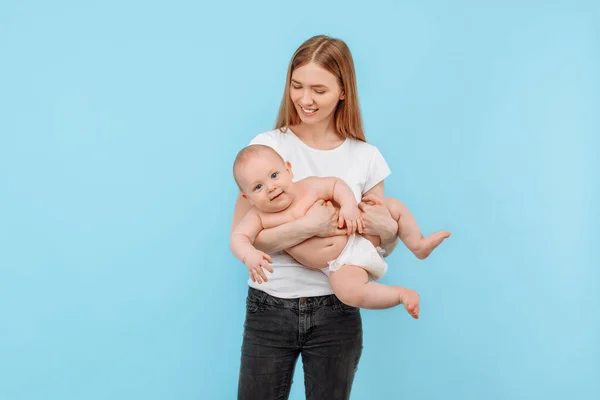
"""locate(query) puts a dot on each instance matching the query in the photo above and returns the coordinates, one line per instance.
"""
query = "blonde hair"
(248, 153)
(334, 56)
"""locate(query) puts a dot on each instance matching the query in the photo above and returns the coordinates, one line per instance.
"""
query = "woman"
(319, 131)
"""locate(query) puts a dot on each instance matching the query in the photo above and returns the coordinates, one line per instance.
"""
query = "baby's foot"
(410, 299)
(429, 243)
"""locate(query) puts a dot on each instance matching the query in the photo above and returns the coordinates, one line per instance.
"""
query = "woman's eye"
(274, 175)
(319, 91)
(297, 87)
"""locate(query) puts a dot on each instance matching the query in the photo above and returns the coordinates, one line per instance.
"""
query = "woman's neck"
(321, 136)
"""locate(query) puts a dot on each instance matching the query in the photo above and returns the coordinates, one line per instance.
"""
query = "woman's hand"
(377, 219)
(322, 219)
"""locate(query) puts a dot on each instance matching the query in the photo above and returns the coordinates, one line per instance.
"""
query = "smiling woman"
(319, 131)
(314, 100)
(321, 84)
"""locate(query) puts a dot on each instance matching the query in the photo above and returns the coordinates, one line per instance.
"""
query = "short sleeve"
(265, 139)
(378, 170)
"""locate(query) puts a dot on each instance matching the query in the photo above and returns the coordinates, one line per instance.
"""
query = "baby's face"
(267, 182)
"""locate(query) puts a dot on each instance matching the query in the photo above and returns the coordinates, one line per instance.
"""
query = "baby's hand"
(256, 261)
(351, 216)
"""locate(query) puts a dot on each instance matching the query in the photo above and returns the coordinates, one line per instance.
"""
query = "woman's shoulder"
(363, 147)
(270, 138)
(277, 139)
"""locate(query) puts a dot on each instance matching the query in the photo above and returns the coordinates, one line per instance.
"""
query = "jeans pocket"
(255, 301)
(252, 306)
(345, 309)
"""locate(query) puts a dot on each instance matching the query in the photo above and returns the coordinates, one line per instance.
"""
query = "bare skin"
(313, 236)
(279, 201)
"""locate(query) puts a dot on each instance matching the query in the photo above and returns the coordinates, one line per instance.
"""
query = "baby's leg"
(409, 232)
(352, 286)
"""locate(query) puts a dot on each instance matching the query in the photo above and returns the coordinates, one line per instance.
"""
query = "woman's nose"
(306, 98)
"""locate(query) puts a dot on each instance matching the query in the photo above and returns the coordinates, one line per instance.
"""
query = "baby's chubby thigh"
(316, 252)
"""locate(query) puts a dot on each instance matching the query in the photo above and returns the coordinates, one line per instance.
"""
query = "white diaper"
(360, 252)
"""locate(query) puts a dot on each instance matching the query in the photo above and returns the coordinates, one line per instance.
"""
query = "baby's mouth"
(277, 196)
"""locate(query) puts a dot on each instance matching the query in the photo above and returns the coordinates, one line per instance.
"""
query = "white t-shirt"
(358, 163)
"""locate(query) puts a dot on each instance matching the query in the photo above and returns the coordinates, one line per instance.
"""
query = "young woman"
(319, 131)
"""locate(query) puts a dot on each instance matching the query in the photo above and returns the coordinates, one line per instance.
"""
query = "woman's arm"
(320, 220)
(378, 220)
(273, 239)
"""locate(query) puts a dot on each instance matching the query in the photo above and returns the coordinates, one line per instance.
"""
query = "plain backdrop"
(119, 122)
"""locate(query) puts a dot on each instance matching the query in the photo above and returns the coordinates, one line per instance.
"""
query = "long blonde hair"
(334, 56)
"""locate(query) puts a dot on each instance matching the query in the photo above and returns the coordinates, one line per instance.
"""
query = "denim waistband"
(260, 297)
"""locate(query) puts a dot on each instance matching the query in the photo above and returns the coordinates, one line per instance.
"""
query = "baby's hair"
(249, 152)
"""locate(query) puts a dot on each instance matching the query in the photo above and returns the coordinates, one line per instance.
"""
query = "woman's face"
(315, 93)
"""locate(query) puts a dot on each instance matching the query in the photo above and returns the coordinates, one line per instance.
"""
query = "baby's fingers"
(267, 257)
(256, 276)
(349, 227)
(260, 275)
(266, 266)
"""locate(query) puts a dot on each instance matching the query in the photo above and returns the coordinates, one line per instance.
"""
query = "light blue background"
(118, 125)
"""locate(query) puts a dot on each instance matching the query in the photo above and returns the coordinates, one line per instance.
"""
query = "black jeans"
(324, 330)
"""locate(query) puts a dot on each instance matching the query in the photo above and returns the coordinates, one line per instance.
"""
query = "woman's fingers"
(372, 199)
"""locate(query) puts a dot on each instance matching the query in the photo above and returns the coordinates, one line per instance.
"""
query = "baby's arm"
(241, 244)
(340, 192)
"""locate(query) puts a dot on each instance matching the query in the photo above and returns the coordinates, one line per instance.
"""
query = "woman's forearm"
(283, 236)
(275, 239)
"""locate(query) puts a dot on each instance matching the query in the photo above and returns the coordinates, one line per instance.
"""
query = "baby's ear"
(288, 166)
(245, 196)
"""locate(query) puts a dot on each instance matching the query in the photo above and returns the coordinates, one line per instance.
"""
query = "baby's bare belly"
(316, 252)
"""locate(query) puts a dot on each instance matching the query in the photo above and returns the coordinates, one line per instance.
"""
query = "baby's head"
(264, 178)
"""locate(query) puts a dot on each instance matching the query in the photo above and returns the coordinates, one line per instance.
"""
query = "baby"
(351, 263)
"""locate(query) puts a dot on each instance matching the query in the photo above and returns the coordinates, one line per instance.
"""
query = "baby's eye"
(257, 187)
(274, 175)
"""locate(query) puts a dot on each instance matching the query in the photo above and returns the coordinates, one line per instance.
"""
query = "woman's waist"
(292, 280)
